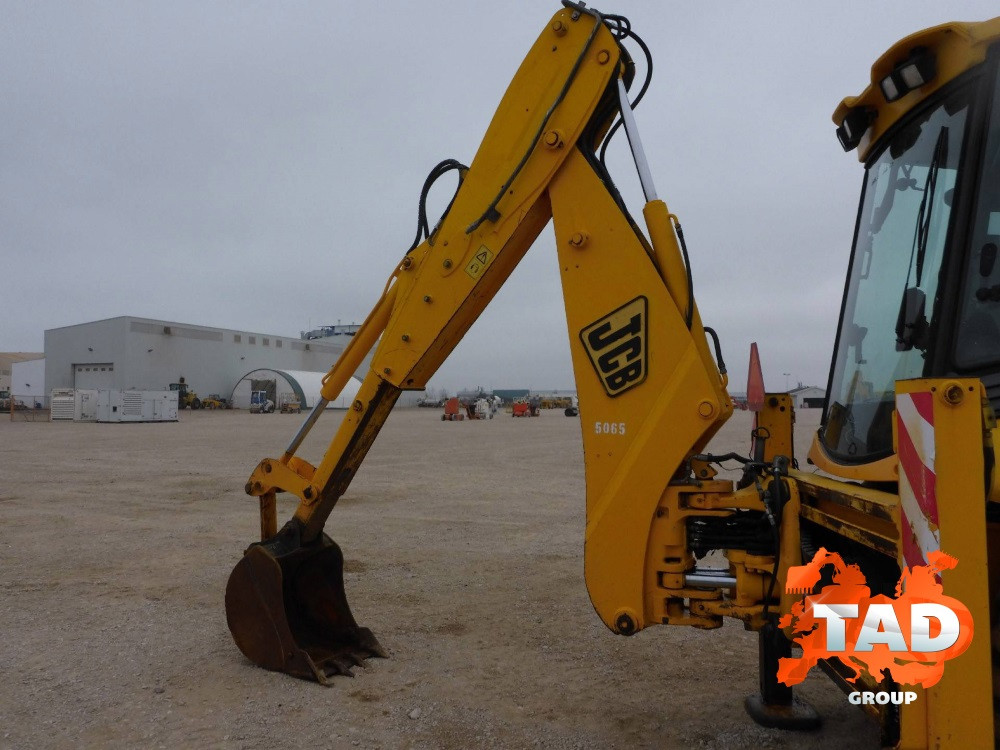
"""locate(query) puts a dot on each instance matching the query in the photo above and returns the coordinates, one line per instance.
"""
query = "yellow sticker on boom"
(479, 262)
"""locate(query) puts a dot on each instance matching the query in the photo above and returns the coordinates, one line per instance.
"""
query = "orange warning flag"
(755, 382)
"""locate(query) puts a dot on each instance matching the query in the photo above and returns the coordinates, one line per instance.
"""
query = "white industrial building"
(8, 359)
(140, 354)
(129, 353)
(27, 382)
(807, 396)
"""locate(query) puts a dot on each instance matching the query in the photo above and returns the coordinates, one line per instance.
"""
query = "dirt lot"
(464, 554)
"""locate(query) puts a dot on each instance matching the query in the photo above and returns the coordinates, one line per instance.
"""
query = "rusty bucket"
(287, 610)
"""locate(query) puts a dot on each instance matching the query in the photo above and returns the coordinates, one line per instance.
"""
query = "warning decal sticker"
(480, 261)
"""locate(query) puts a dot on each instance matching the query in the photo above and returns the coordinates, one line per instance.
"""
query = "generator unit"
(136, 406)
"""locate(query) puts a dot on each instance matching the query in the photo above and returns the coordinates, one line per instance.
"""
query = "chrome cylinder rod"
(720, 579)
(306, 426)
(635, 143)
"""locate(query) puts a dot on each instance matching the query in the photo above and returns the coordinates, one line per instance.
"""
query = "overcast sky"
(257, 165)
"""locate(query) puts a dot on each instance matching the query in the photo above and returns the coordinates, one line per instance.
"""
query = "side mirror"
(987, 259)
(854, 335)
(911, 325)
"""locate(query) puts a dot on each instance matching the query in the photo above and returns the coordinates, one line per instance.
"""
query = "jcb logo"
(616, 345)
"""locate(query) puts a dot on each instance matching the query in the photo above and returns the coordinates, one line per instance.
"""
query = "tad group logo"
(907, 638)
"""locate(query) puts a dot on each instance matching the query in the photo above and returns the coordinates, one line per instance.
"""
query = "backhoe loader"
(906, 447)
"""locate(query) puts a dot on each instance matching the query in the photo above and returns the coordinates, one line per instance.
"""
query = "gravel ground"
(463, 544)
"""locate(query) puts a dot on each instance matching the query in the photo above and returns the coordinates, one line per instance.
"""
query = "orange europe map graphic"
(918, 585)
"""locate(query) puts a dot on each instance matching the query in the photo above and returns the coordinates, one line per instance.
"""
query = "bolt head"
(624, 624)
(603, 56)
(953, 394)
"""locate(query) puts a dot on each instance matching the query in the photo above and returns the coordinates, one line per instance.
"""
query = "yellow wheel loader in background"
(185, 396)
(907, 441)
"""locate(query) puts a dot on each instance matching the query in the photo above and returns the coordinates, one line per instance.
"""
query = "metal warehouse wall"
(27, 380)
(103, 341)
(151, 354)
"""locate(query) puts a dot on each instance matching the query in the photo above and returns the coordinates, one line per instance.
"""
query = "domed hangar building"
(282, 386)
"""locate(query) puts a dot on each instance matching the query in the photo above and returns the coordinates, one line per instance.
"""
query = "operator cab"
(922, 297)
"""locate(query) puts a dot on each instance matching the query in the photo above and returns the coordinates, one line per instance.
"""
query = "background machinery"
(186, 398)
(289, 404)
(453, 410)
(555, 402)
(906, 444)
(525, 407)
(214, 401)
(573, 410)
(261, 402)
(479, 408)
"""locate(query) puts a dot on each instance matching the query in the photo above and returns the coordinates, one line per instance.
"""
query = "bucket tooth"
(341, 665)
(370, 645)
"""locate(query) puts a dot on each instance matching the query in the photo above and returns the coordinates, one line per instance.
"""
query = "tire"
(196, 404)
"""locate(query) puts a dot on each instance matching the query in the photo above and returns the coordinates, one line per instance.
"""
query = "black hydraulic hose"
(713, 459)
(625, 31)
(718, 349)
(491, 212)
(689, 313)
(776, 491)
(423, 228)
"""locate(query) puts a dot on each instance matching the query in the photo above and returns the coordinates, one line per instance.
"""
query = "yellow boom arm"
(650, 392)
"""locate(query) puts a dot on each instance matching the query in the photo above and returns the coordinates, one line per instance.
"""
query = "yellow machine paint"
(651, 397)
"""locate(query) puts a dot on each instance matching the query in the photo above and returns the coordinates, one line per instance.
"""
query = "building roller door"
(93, 377)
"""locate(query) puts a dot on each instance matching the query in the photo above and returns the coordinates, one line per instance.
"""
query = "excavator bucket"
(287, 611)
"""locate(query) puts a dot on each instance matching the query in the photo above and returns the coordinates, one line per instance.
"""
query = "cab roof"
(956, 46)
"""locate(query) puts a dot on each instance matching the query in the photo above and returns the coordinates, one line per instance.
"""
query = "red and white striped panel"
(917, 482)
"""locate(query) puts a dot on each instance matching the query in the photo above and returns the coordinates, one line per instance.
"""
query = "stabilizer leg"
(775, 706)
